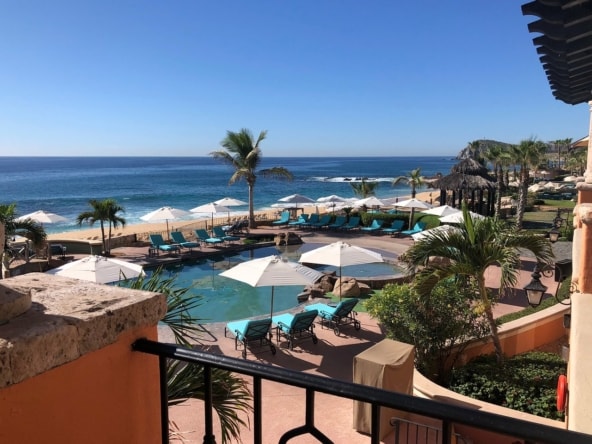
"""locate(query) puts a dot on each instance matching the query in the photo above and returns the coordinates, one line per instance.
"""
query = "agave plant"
(231, 395)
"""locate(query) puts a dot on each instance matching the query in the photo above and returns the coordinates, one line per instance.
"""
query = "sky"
(323, 77)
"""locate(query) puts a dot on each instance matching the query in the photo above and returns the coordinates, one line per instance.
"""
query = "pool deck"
(283, 407)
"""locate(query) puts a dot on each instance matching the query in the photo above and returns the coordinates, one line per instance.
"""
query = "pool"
(225, 299)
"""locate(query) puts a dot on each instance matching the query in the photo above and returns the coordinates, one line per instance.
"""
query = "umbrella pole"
(340, 283)
(168, 234)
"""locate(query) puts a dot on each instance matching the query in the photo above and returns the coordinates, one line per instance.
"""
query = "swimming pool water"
(225, 299)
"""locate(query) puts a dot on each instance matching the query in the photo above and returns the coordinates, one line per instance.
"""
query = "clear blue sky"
(324, 77)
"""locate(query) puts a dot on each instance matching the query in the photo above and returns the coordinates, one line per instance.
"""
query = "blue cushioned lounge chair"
(342, 314)
(302, 219)
(158, 242)
(395, 227)
(283, 220)
(204, 237)
(178, 238)
(299, 325)
(324, 221)
(417, 228)
(354, 223)
(250, 332)
(220, 234)
(312, 219)
(339, 222)
(375, 226)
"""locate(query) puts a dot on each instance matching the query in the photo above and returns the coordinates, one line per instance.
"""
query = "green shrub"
(438, 324)
(526, 382)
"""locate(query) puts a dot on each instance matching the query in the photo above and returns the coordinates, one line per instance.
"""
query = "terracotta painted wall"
(107, 396)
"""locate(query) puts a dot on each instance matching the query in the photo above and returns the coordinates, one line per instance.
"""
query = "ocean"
(64, 185)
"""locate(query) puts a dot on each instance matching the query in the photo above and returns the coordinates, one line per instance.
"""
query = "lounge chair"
(220, 234)
(375, 226)
(239, 226)
(395, 228)
(312, 219)
(342, 314)
(353, 223)
(204, 237)
(417, 228)
(324, 221)
(248, 332)
(283, 220)
(178, 238)
(302, 219)
(290, 326)
(339, 222)
(159, 244)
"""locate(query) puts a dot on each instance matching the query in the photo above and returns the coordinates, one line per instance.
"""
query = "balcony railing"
(378, 398)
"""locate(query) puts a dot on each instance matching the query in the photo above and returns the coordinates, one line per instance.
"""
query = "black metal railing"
(447, 413)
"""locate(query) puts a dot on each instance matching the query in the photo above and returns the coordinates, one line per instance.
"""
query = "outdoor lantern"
(535, 289)
(554, 235)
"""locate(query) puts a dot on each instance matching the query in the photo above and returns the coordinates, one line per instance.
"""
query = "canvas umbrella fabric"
(433, 231)
(99, 269)
(458, 218)
(442, 210)
(371, 201)
(340, 254)
(331, 201)
(272, 271)
(212, 208)
(43, 217)
(413, 203)
(165, 213)
(230, 202)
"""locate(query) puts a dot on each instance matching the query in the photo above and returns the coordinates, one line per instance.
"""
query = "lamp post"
(535, 288)
(554, 235)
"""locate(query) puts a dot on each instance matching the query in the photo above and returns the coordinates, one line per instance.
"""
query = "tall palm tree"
(103, 211)
(469, 251)
(244, 155)
(498, 156)
(415, 180)
(28, 228)
(364, 189)
(527, 154)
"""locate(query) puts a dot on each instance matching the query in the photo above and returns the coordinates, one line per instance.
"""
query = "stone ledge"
(68, 319)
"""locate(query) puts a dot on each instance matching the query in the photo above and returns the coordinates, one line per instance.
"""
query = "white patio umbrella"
(340, 254)
(43, 217)
(458, 218)
(272, 271)
(165, 213)
(212, 208)
(433, 231)
(296, 199)
(371, 201)
(98, 269)
(442, 210)
(230, 202)
(413, 203)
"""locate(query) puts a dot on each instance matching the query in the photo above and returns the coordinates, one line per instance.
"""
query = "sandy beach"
(143, 229)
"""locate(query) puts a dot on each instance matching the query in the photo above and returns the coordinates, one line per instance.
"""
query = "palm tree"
(244, 155)
(103, 211)
(528, 154)
(414, 180)
(364, 189)
(231, 395)
(468, 252)
(498, 156)
(9, 226)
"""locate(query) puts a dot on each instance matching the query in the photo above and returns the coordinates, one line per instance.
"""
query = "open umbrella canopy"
(212, 208)
(98, 269)
(272, 271)
(296, 199)
(413, 203)
(442, 210)
(331, 198)
(458, 218)
(371, 201)
(230, 202)
(340, 254)
(441, 229)
(43, 217)
(165, 213)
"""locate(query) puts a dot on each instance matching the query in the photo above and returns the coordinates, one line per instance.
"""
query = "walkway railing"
(448, 414)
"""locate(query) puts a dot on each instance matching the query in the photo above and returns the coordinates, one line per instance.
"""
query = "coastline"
(143, 229)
